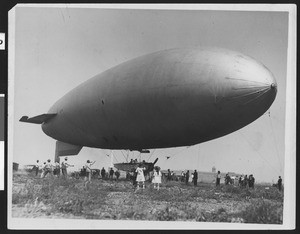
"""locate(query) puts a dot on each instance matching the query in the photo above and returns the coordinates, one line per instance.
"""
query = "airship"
(170, 98)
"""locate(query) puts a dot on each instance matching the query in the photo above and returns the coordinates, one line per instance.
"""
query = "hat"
(48, 160)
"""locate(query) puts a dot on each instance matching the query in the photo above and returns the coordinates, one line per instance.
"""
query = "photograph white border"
(290, 134)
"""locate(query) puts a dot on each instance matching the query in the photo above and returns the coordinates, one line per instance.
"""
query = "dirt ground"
(53, 197)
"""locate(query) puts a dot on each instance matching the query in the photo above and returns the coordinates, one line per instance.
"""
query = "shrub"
(263, 211)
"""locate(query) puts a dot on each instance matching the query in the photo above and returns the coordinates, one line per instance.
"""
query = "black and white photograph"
(137, 116)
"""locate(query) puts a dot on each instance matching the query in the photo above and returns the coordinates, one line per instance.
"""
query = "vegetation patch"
(175, 201)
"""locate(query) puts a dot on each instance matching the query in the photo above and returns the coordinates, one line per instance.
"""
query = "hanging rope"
(258, 153)
(114, 157)
(274, 138)
(126, 159)
(180, 151)
(151, 155)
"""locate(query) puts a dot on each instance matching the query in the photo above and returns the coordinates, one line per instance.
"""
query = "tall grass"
(174, 201)
(263, 211)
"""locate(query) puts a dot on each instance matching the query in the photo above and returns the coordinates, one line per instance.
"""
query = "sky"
(58, 48)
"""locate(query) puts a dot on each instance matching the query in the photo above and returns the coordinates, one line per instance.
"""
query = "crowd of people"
(52, 169)
(57, 169)
(242, 181)
(138, 177)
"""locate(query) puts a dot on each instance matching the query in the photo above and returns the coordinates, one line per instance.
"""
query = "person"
(103, 172)
(195, 177)
(47, 168)
(117, 174)
(245, 181)
(140, 176)
(187, 176)
(173, 177)
(111, 173)
(43, 169)
(169, 175)
(218, 179)
(236, 180)
(64, 166)
(156, 177)
(227, 179)
(182, 176)
(241, 180)
(251, 181)
(128, 175)
(88, 170)
(133, 177)
(56, 170)
(279, 183)
(36, 168)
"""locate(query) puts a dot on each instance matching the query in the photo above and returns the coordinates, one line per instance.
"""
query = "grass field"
(118, 200)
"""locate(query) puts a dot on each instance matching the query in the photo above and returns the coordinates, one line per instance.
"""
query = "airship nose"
(252, 84)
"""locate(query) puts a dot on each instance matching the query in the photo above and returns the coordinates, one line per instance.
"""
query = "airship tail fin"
(64, 149)
(39, 119)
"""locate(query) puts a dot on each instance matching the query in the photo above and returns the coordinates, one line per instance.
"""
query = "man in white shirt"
(64, 166)
(48, 168)
(88, 168)
(37, 167)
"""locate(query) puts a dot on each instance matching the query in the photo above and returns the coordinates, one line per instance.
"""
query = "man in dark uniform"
(279, 183)
(169, 175)
(195, 177)
(103, 172)
(218, 179)
(36, 168)
(111, 173)
(187, 176)
(251, 181)
(117, 173)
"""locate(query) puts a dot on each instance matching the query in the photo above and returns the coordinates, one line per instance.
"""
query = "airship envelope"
(170, 98)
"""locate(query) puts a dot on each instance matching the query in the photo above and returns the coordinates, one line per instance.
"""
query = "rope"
(151, 155)
(274, 138)
(126, 159)
(180, 151)
(114, 157)
(259, 153)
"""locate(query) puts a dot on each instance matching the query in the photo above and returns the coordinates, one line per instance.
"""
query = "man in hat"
(195, 177)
